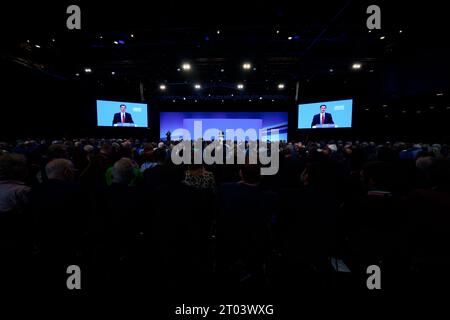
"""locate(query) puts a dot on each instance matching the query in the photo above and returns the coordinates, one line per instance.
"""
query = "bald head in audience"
(60, 169)
(123, 171)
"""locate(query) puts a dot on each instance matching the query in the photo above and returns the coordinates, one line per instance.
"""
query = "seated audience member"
(429, 225)
(94, 173)
(243, 225)
(59, 206)
(120, 223)
(15, 243)
(13, 191)
(149, 161)
(112, 174)
(162, 175)
(197, 176)
(377, 223)
(60, 210)
(123, 172)
(310, 218)
(422, 174)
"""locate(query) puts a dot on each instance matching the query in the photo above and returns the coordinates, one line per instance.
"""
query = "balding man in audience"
(60, 169)
(60, 208)
(123, 171)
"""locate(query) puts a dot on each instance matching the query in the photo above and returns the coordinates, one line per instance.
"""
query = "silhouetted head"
(60, 169)
(12, 167)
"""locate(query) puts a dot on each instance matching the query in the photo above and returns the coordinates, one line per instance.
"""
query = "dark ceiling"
(313, 44)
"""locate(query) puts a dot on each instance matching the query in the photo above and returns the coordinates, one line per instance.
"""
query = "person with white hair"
(123, 171)
(60, 208)
(88, 149)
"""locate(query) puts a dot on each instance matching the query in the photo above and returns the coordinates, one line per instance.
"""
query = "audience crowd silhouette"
(130, 218)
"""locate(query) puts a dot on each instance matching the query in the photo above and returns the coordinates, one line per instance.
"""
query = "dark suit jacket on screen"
(316, 119)
(117, 119)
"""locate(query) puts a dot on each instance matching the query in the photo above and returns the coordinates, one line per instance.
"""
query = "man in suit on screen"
(323, 117)
(122, 116)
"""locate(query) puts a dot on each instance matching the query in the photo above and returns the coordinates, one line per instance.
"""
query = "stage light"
(278, 31)
(178, 69)
(186, 66)
(115, 42)
(195, 100)
(223, 101)
(28, 41)
(249, 100)
(273, 100)
(162, 87)
(289, 38)
(400, 31)
(240, 86)
(260, 98)
(121, 42)
(431, 107)
(173, 100)
(331, 70)
(113, 73)
(132, 35)
(222, 70)
(281, 86)
(439, 94)
(246, 66)
(184, 98)
(218, 31)
(87, 70)
(370, 31)
(53, 40)
(382, 37)
(384, 105)
(356, 66)
(77, 74)
(197, 86)
(37, 46)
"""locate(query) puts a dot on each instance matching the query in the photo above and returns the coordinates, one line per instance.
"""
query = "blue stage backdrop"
(107, 109)
(169, 121)
(340, 111)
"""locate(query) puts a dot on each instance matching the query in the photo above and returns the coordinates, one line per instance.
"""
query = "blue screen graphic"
(109, 114)
(170, 121)
(338, 114)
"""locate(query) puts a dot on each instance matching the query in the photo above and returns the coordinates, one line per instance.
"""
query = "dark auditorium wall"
(38, 104)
